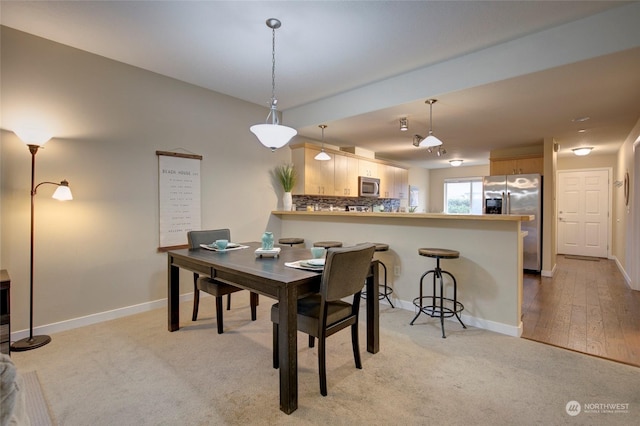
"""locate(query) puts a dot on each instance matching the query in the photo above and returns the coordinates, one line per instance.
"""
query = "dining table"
(268, 276)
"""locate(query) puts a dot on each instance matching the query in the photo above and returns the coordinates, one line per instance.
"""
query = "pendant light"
(430, 140)
(322, 156)
(272, 134)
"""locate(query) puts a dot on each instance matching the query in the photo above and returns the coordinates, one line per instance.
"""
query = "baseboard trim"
(549, 274)
(70, 324)
(96, 318)
(496, 327)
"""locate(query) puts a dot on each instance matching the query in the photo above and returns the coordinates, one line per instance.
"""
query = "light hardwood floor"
(586, 307)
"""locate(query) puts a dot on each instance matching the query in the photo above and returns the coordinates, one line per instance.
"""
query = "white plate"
(315, 262)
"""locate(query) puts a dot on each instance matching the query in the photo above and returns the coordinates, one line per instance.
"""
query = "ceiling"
(360, 66)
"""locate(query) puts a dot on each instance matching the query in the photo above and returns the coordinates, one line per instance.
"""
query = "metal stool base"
(440, 306)
(386, 290)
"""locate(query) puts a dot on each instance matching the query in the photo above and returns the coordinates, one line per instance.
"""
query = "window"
(463, 195)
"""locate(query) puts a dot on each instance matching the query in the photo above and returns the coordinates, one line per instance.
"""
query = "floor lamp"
(35, 140)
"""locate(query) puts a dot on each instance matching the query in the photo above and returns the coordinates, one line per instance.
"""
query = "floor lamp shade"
(63, 192)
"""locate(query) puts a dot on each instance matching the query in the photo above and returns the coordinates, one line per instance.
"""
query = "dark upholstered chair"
(321, 315)
(214, 286)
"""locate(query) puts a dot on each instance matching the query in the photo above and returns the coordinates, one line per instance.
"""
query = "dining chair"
(214, 286)
(324, 314)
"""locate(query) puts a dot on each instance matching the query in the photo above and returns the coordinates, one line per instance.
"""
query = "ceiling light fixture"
(585, 150)
(455, 163)
(404, 124)
(322, 156)
(272, 134)
(581, 119)
(430, 140)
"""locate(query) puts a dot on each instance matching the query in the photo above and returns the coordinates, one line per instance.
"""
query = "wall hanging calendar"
(179, 196)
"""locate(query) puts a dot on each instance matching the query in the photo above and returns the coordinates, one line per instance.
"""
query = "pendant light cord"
(273, 67)
(430, 117)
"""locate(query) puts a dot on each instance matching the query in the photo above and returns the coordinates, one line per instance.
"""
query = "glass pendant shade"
(322, 156)
(273, 136)
(63, 192)
(430, 141)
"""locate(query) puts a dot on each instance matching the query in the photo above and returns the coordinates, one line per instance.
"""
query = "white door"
(583, 213)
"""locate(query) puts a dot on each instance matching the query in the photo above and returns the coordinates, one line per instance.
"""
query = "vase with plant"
(286, 174)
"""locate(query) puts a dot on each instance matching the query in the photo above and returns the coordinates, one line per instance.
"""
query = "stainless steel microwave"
(368, 186)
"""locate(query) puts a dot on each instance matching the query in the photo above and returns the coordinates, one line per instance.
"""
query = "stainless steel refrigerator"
(519, 194)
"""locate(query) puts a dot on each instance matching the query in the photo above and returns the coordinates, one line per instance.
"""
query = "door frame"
(609, 171)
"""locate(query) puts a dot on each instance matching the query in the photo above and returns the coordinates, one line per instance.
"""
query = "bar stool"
(291, 241)
(327, 244)
(384, 294)
(437, 307)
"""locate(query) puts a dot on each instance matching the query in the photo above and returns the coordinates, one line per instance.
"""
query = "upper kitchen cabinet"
(394, 181)
(386, 174)
(516, 166)
(346, 169)
(314, 177)
(367, 168)
(339, 176)
(401, 183)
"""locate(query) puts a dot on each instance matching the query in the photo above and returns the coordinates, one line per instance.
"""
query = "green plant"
(287, 176)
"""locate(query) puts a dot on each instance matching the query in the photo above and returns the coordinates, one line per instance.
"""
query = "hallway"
(586, 307)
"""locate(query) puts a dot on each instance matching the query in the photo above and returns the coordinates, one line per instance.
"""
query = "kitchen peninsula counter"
(396, 215)
(489, 271)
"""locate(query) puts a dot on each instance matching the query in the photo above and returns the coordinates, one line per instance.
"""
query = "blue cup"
(222, 244)
(317, 252)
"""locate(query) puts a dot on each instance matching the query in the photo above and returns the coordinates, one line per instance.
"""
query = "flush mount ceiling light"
(322, 156)
(430, 140)
(272, 134)
(585, 150)
(404, 124)
(455, 163)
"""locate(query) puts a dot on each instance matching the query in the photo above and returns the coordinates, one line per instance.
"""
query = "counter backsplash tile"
(341, 203)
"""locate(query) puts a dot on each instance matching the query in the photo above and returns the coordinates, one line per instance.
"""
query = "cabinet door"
(531, 165)
(346, 176)
(352, 176)
(318, 175)
(367, 168)
(387, 180)
(401, 187)
(503, 167)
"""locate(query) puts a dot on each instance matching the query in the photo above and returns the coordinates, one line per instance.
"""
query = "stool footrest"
(381, 294)
(435, 311)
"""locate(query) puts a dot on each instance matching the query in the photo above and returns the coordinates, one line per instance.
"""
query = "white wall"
(436, 182)
(419, 178)
(99, 252)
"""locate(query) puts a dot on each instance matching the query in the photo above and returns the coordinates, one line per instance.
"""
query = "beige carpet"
(37, 409)
(132, 371)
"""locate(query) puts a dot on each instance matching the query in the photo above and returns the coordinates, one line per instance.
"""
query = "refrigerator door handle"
(508, 202)
(504, 204)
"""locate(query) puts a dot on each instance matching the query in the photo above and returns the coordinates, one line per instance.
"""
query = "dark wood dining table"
(270, 277)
